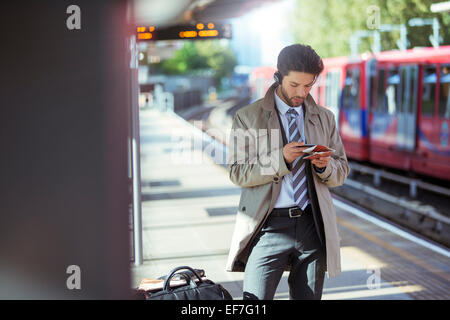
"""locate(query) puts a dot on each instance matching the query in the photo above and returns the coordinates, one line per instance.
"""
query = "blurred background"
(259, 34)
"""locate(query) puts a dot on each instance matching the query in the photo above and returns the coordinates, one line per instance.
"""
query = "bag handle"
(172, 273)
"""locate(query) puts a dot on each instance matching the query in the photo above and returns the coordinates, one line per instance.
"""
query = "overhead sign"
(198, 31)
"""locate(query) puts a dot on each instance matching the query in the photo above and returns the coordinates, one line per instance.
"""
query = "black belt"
(292, 212)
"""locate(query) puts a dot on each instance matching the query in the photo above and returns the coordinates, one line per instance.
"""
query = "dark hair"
(298, 57)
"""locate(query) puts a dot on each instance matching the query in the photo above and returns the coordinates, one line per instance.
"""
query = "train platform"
(188, 216)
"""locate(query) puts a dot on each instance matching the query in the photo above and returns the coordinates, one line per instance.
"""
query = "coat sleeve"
(337, 169)
(249, 163)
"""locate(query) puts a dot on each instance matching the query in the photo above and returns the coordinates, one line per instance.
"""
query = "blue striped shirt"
(286, 197)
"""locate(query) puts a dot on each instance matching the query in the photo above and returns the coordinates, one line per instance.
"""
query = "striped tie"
(298, 166)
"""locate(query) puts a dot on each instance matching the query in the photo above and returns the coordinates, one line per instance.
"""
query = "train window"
(332, 91)
(371, 90)
(408, 89)
(392, 91)
(351, 89)
(444, 93)
(404, 91)
(327, 88)
(381, 92)
(429, 91)
(332, 85)
(319, 90)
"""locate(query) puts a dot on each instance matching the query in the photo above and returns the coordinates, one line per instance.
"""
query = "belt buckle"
(295, 212)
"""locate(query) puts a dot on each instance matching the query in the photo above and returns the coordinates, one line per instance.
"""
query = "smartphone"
(306, 146)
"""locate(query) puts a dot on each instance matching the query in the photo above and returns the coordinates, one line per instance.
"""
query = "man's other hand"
(292, 151)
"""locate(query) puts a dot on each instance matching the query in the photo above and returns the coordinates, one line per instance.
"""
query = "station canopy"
(189, 19)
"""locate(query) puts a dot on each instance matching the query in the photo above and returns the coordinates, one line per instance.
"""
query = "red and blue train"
(392, 108)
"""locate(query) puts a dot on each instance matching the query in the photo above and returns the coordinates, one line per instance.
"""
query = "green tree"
(197, 56)
(219, 58)
(327, 25)
(184, 60)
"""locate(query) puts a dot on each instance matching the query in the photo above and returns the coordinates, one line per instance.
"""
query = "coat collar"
(269, 101)
(283, 108)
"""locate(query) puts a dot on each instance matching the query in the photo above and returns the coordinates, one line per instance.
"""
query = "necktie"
(298, 166)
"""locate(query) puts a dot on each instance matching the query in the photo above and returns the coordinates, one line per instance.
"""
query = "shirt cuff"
(319, 170)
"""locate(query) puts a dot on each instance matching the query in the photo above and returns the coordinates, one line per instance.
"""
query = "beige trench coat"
(260, 189)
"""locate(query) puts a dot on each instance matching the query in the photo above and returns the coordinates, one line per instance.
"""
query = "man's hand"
(321, 162)
(292, 151)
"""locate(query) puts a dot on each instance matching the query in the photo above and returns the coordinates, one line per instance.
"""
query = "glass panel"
(392, 91)
(351, 89)
(318, 98)
(409, 83)
(444, 93)
(332, 91)
(414, 89)
(404, 85)
(381, 93)
(429, 90)
(372, 92)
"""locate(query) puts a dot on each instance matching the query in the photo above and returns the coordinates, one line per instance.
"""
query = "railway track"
(391, 196)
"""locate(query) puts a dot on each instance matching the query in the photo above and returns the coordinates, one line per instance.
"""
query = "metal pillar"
(377, 178)
(355, 40)
(435, 39)
(376, 47)
(403, 42)
(135, 155)
(413, 189)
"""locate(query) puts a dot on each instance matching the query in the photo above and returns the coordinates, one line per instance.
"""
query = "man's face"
(295, 87)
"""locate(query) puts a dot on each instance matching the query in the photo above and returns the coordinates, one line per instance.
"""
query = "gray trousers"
(283, 241)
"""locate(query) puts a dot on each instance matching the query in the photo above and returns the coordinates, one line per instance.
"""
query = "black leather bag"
(192, 290)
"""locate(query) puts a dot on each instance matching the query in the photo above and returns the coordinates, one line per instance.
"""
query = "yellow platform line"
(418, 262)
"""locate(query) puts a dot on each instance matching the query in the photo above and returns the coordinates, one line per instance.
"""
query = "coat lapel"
(273, 124)
(311, 120)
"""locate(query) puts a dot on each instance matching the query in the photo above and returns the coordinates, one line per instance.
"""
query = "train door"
(434, 146)
(407, 107)
(352, 114)
(350, 101)
(444, 103)
(317, 91)
(444, 122)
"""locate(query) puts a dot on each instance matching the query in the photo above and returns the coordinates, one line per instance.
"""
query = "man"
(286, 219)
